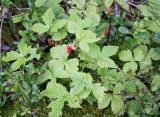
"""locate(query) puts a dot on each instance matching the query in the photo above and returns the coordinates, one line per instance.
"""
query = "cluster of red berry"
(70, 48)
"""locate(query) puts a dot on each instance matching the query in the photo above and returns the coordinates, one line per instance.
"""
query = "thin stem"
(26, 97)
(1, 26)
(18, 15)
(19, 9)
(133, 4)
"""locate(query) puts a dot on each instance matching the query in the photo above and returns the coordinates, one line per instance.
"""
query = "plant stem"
(1, 26)
(26, 97)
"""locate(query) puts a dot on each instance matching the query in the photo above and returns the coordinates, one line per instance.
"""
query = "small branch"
(116, 10)
(129, 96)
(137, 6)
(18, 15)
(2, 19)
(19, 9)
(1, 26)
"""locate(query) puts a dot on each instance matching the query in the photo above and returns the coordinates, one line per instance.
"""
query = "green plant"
(80, 66)
(25, 54)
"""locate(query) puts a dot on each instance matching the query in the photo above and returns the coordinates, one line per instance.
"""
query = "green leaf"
(108, 51)
(130, 66)
(72, 65)
(86, 78)
(48, 17)
(91, 21)
(61, 68)
(73, 101)
(105, 101)
(11, 56)
(17, 19)
(61, 34)
(117, 104)
(108, 3)
(131, 87)
(18, 63)
(59, 52)
(60, 73)
(57, 9)
(99, 1)
(123, 4)
(91, 9)
(58, 24)
(82, 80)
(155, 2)
(139, 54)
(45, 76)
(145, 62)
(157, 38)
(123, 30)
(78, 87)
(102, 63)
(91, 99)
(34, 99)
(34, 87)
(118, 88)
(54, 90)
(86, 36)
(55, 113)
(33, 54)
(84, 46)
(40, 28)
(106, 72)
(126, 55)
(154, 53)
(73, 27)
(23, 48)
(153, 25)
(20, 57)
(94, 51)
(134, 108)
(108, 77)
(57, 69)
(79, 4)
(39, 3)
(84, 93)
(106, 62)
(56, 106)
(146, 10)
(156, 83)
(98, 91)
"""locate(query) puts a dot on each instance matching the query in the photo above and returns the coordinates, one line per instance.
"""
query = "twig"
(137, 6)
(116, 10)
(18, 15)
(19, 9)
(1, 25)
(129, 96)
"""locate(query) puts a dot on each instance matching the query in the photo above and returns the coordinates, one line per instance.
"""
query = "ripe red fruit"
(70, 48)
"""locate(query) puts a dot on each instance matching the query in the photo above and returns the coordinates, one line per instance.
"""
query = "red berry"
(70, 48)
(69, 51)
